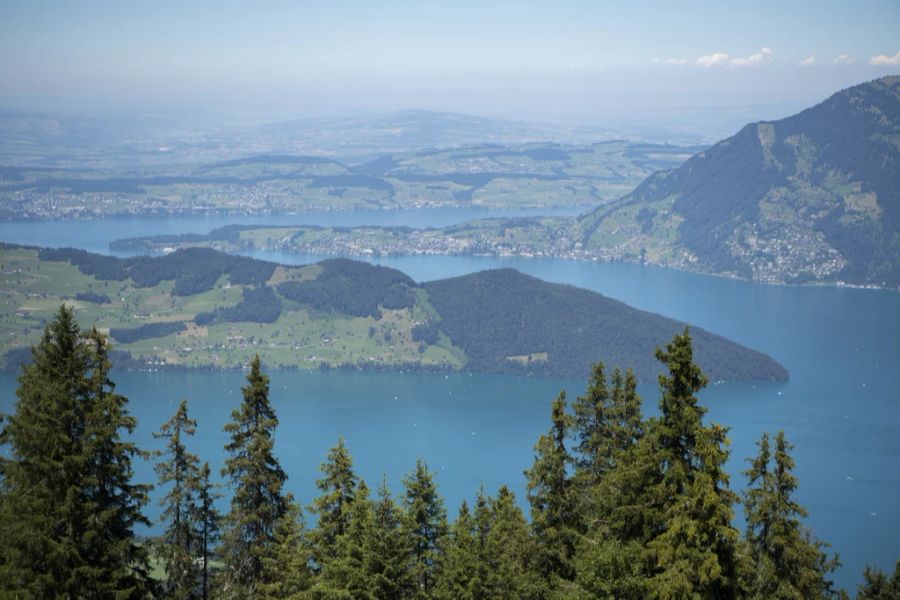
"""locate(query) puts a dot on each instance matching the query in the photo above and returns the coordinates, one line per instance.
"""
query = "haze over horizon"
(703, 65)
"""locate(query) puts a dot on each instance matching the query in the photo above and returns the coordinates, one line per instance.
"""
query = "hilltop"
(812, 197)
(200, 308)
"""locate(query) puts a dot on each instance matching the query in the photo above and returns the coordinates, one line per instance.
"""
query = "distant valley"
(487, 176)
(813, 198)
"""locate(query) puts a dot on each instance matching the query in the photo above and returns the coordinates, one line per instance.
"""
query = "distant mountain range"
(153, 138)
(199, 308)
(813, 197)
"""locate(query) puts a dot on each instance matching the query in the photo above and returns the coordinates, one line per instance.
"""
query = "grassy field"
(31, 291)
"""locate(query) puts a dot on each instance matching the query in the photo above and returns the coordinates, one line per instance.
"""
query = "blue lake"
(841, 407)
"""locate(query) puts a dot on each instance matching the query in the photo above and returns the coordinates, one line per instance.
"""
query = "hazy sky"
(554, 60)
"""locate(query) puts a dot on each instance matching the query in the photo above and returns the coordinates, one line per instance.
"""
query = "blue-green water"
(841, 407)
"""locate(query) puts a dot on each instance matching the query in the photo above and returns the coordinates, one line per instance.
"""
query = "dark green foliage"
(425, 528)
(388, 549)
(287, 572)
(497, 314)
(208, 524)
(511, 568)
(226, 233)
(127, 335)
(259, 305)
(426, 332)
(551, 494)
(607, 425)
(68, 507)
(877, 586)
(352, 288)
(337, 490)
(99, 265)
(463, 575)
(179, 470)
(258, 503)
(490, 553)
(785, 560)
(194, 270)
(92, 297)
(347, 573)
(191, 519)
(695, 548)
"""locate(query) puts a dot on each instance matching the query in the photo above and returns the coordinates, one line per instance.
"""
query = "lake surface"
(95, 235)
(841, 407)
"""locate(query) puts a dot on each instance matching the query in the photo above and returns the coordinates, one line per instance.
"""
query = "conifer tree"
(68, 504)
(509, 552)
(554, 515)
(625, 417)
(180, 470)
(425, 527)
(786, 562)
(607, 423)
(591, 427)
(696, 546)
(877, 586)
(347, 571)
(464, 553)
(287, 572)
(332, 506)
(208, 522)
(388, 555)
(258, 503)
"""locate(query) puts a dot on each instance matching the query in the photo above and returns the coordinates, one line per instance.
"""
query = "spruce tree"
(624, 415)
(207, 521)
(425, 527)
(180, 470)
(695, 550)
(258, 503)
(68, 504)
(786, 561)
(591, 428)
(607, 423)
(554, 506)
(877, 586)
(511, 569)
(287, 573)
(347, 572)
(332, 506)
(464, 553)
(388, 555)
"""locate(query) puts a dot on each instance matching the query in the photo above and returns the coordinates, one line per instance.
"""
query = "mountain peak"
(811, 197)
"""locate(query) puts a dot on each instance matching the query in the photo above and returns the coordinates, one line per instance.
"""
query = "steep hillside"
(813, 197)
(199, 308)
(506, 321)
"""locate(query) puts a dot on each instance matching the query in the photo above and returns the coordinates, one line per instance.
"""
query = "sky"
(572, 61)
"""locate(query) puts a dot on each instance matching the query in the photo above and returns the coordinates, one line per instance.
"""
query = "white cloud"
(713, 60)
(721, 59)
(764, 55)
(844, 59)
(670, 61)
(883, 60)
(808, 61)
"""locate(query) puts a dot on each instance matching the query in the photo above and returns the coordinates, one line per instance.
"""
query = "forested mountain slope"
(812, 197)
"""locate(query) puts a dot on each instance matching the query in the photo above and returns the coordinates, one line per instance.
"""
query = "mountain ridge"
(811, 197)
